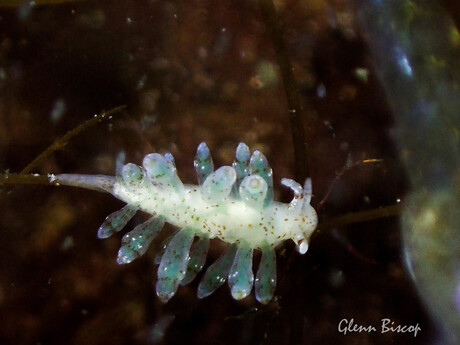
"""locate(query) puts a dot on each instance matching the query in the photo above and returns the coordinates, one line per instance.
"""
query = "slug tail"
(100, 183)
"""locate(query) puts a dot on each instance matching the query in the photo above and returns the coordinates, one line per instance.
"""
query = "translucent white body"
(231, 220)
(233, 203)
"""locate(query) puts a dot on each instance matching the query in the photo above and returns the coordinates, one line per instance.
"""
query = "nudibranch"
(233, 203)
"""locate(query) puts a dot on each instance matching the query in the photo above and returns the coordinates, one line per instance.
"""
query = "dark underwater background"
(192, 71)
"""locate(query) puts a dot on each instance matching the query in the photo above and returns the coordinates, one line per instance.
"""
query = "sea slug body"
(233, 203)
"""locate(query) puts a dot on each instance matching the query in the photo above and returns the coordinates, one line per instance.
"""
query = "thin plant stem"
(60, 142)
(360, 217)
(13, 178)
(336, 222)
(276, 33)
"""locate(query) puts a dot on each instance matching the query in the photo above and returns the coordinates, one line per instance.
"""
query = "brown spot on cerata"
(250, 225)
(224, 227)
(285, 219)
(197, 218)
(163, 199)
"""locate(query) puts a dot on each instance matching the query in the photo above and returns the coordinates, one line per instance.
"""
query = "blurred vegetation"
(416, 50)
